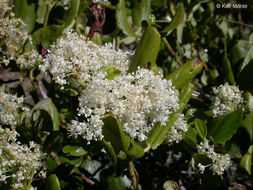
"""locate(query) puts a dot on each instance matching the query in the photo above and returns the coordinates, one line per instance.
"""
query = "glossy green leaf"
(248, 124)
(201, 128)
(223, 127)
(116, 183)
(25, 9)
(71, 13)
(41, 12)
(185, 73)
(170, 185)
(160, 132)
(122, 20)
(40, 121)
(74, 150)
(53, 183)
(190, 137)
(113, 133)
(237, 53)
(47, 35)
(141, 12)
(91, 166)
(48, 105)
(110, 152)
(147, 50)
(248, 58)
(247, 160)
(51, 164)
(246, 78)
(178, 18)
(229, 75)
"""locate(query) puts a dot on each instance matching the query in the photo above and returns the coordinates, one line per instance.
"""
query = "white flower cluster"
(74, 57)
(176, 132)
(138, 100)
(13, 38)
(219, 162)
(227, 99)
(9, 105)
(18, 163)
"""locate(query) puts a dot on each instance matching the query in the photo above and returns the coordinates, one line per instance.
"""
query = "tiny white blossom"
(14, 39)
(19, 162)
(138, 100)
(227, 99)
(9, 105)
(178, 128)
(219, 162)
(75, 57)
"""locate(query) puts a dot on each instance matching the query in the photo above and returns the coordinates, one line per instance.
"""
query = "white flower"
(9, 105)
(14, 39)
(74, 57)
(18, 162)
(178, 128)
(227, 99)
(219, 162)
(138, 100)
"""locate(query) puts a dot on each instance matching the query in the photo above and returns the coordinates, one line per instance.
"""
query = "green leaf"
(147, 50)
(74, 150)
(25, 9)
(113, 133)
(223, 127)
(185, 73)
(229, 76)
(237, 53)
(170, 185)
(110, 152)
(141, 12)
(116, 183)
(247, 160)
(71, 13)
(248, 58)
(246, 78)
(40, 121)
(178, 18)
(201, 128)
(160, 132)
(91, 166)
(41, 12)
(248, 124)
(47, 35)
(111, 72)
(97, 39)
(48, 105)
(51, 164)
(53, 183)
(122, 21)
(190, 137)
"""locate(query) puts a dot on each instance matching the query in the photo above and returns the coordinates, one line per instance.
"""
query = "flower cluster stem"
(133, 176)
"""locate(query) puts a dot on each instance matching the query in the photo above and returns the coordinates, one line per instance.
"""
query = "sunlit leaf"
(223, 127)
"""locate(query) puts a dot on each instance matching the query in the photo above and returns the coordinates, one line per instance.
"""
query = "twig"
(134, 177)
(167, 44)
